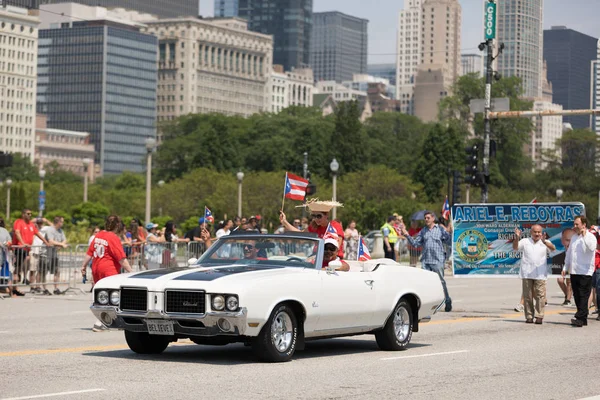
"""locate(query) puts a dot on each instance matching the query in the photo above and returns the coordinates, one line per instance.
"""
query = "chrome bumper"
(208, 324)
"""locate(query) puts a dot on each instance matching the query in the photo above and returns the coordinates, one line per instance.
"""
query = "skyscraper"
(226, 8)
(339, 46)
(18, 74)
(161, 8)
(100, 77)
(440, 61)
(472, 64)
(409, 52)
(520, 29)
(569, 54)
(290, 23)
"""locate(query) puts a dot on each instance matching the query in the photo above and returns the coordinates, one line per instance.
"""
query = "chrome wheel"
(282, 331)
(401, 324)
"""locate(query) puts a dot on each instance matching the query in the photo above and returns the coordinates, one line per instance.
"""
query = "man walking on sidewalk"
(579, 263)
(534, 271)
(432, 238)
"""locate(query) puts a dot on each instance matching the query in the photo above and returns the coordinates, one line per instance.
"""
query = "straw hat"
(316, 205)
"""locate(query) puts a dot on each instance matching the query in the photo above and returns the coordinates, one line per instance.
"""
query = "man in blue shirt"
(432, 238)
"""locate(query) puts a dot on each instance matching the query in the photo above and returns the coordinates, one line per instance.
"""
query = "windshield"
(285, 251)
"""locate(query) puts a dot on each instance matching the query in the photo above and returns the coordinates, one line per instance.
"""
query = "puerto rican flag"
(295, 187)
(208, 215)
(446, 210)
(533, 201)
(330, 232)
(363, 251)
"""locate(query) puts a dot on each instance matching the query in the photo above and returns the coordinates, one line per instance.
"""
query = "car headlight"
(102, 297)
(115, 297)
(232, 303)
(218, 303)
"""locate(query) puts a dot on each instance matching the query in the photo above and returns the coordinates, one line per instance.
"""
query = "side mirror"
(192, 261)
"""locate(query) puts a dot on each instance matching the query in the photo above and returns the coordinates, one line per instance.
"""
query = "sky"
(580, 15)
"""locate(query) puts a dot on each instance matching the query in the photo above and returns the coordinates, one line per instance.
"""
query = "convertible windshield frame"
(211, 255)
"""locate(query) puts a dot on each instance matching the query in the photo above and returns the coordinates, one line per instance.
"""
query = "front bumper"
(208, 324)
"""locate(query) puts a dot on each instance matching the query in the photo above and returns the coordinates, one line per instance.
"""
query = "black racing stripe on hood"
(157, 273)
(212, 274)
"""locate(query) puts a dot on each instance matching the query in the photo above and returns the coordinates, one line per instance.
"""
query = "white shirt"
(221, 232)
(581, 254)
(533, 261)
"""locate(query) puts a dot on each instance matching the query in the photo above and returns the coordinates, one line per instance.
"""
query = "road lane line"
(39, 396)
(425, 355)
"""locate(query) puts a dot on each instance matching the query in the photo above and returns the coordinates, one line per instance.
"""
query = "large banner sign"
(483, 235)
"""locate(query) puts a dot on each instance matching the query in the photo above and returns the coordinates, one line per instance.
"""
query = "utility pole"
(490, 34)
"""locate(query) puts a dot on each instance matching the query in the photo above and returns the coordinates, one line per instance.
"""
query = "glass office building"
(290, 23)
(101, 77)
(339, 46)
(226, 8)
(162, 8)
(569, 55)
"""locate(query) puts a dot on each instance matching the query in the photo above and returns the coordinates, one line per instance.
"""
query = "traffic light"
(472, 168)
(456, 187)
(311, 188)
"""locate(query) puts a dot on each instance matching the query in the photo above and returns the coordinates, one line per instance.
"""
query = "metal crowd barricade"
(40, 268)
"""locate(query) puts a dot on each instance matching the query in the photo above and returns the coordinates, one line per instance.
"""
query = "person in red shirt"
(107, 255)
(25, 230)
(319, 222)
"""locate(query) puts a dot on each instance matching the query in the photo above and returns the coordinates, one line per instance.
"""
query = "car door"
(347, 300)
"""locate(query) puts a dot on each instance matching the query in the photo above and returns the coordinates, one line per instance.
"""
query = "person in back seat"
(331, 250)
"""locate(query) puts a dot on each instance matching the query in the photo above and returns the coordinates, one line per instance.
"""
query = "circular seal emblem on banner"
(472, 246)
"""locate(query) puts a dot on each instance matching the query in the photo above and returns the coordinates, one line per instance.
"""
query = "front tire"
(277, 340)
(397, 332)
(144, 343)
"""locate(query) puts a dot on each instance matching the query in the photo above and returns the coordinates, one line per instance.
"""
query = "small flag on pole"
(446, 210)
(363, 253)
(533, 201)
(330, 232)
(208, 215)
(295, 187)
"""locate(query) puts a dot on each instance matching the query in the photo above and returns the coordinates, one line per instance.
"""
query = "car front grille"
(134, 299)
(188, 302)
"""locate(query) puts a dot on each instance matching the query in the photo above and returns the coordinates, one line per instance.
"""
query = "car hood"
(201, 277)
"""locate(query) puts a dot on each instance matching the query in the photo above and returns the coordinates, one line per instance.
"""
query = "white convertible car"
(270, 292)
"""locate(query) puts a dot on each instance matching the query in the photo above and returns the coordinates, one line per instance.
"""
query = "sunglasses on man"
(330, 247)
(248, 247)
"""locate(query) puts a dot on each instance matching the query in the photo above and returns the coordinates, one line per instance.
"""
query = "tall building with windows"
(99, 76)
(595, 92)
(211, 66)
(440, 62)
(18, 75)
(472, 64)
(227, 8)
(409, 52)
(339, 46)
(161, 8)
(292, 88)
(569, 55)
(290, 23)
(519, 27)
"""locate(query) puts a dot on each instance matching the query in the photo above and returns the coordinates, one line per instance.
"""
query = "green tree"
(95, 213)
(348, 139)
(21, 170)
(441, 153)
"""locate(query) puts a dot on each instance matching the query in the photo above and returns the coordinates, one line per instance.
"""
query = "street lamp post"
(42, 199)
(8, 184)
(559, 194)
(86, 164)
(161, 183)
(335, 166)
(150, 145)
(240, 177)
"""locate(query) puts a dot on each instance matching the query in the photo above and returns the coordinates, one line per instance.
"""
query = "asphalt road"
(481, 350)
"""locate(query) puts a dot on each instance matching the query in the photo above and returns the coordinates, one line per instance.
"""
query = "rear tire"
(397, 332)
(144, 343)
(277, 340)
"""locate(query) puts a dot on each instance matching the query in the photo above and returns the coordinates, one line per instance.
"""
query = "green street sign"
(490, 20)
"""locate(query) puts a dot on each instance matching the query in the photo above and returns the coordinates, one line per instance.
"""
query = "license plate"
(158, 327)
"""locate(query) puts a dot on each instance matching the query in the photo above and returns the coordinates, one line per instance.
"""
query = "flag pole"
(283, 198)
(358, 248)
